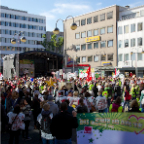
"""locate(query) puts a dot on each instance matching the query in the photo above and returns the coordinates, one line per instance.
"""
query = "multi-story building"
(95, 38)
(49, 34)
(13, 21)
(130, 29)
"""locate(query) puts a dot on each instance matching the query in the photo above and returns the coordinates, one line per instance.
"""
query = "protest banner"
(112, 128)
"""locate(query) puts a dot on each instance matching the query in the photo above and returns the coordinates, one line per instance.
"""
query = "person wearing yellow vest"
(137, 89)
(116, 107)
(133, 92)
(120, 83)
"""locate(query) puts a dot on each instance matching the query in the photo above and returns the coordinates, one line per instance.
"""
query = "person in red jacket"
(127, 97)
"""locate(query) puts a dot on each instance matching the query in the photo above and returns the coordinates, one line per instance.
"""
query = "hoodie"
(115, 108)
(53, 108)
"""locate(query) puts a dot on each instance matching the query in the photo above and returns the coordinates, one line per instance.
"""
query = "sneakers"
(28, 138)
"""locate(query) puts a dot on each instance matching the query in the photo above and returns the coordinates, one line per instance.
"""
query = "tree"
(53, 43)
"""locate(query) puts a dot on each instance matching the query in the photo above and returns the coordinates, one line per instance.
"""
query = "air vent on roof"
(127, 6)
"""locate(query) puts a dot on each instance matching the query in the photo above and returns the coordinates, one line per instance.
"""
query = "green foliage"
(53, 43)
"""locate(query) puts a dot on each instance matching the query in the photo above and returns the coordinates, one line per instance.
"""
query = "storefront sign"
(106, 63)
(90, 39)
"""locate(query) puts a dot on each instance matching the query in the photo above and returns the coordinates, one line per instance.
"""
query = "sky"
(55, 9)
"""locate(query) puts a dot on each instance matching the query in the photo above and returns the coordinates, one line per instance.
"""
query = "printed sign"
(119, 128)
(90, 39)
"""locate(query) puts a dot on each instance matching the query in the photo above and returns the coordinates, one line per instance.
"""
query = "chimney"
(127, 6)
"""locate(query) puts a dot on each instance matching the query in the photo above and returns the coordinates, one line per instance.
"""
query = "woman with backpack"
(44, 120)
(116, 107)
(15, 124)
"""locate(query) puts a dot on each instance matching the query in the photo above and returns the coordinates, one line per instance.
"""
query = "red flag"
(115, 71)
(89, 77)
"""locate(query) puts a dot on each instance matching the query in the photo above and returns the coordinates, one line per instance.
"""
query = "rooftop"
(6, 8)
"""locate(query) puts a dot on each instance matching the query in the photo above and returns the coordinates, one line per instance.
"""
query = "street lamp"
(13, 41)
(56, 30)
(136, 53)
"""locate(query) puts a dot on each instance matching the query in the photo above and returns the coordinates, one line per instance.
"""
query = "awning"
(105, 68)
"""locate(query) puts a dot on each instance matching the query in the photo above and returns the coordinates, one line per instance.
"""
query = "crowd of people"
(54, 108)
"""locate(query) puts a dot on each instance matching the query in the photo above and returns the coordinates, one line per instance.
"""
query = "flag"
(89, 77)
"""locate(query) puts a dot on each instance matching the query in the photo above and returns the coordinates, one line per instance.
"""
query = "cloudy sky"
(55, 9)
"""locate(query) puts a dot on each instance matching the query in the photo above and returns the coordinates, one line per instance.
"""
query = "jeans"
(126, 102)
(26, 129)
(14, 135)
(45, 141)
(63, 141)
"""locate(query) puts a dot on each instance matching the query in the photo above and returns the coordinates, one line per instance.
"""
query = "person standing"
(16, 120)
(62, 124)
(25, 108)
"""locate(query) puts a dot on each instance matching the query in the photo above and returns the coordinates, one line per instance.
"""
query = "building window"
(110, 29)
(95, 32)
(83, 59)
(120, 30)
(126, 43)
(110, 15)
(13, 24)
(83, 34)
(140, 26)
(103, 44)
(110, 57)
(89, 46)
(126, 57)
(2, 31)
(89, 33)
(78, 23)
(110, 43)
(89, 20)
(77, 35)
(96, 45)
(142, 13)
(120, 44)
(126, 29)
(6, 23)
(2, 23)
(90, 59)
(78, 59)
(133, 42)
(95, 19)
(77, 47)
(7, 15)
(102, 17)
(7, 32)
(129, 16)
(139, 41)
(83, 47)
(13, 16)
(102, 31)
(103, 57)
(17, 25)
(132, 27)
(83, 22)
(139, 56)
(120, 57)
(2, 15)
(96, 58)
(133, 56)
(17, 17)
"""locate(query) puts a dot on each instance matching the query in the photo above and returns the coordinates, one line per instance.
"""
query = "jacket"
(53, 108)
(116, 107)
(135, 109)
(62, 124)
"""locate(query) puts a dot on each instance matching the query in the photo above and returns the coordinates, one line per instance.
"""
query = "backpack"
(45, 123)
(81, 109)
(114, 110)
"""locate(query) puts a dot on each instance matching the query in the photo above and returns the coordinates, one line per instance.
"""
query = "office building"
(130, 29)
(13, 21)
(95, 38)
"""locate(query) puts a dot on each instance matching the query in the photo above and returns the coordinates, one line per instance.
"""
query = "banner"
(27, 67)
(112, 128)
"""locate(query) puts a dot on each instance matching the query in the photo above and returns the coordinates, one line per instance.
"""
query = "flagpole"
(73, 63)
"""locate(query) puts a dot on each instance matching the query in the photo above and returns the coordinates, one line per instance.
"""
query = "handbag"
(10, 125)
